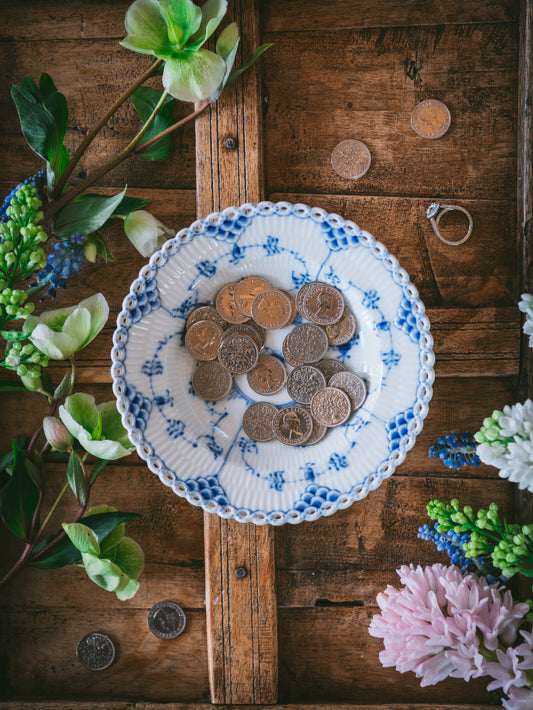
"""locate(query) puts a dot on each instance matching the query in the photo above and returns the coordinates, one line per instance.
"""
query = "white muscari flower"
(492, 454)
(526, 306)
(517, 420)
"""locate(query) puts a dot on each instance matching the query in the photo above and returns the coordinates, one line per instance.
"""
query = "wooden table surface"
(295, 632)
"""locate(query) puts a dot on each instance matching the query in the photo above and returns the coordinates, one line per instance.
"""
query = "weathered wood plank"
(241, 613)
(128, 705)
(471, 68)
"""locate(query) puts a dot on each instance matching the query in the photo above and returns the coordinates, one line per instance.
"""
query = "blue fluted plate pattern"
(198, 448)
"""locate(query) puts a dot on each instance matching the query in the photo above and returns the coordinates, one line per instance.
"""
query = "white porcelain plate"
(198, 448)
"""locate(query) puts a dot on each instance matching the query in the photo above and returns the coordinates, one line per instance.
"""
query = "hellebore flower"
(145, 232)
(96, 427)
(174, 30)
(62, 332)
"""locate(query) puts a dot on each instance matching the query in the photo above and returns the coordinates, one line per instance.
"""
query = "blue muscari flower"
(36, 180)
(65, 261)
(451, 542)
(455, 452)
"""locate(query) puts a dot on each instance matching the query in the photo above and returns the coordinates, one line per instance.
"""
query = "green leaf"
(76, 479)
(8, 386)
(64, 388)
(18, 504)
(85, 216)
(82, 537)
(129, 557)
(144, 101)
(98, 466)
(34, 473)
(31, 87)
(103, 572)
(97, 431)
(128, 205)
(129, 591)
(234, 75)
(64, 553)
(13, 335)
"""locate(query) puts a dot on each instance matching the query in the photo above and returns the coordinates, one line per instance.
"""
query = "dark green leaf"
(13, 335)
(103, 251)
(144, 101)
(64, 553)
(76, 479)
(234, 75)
(128, 205)
(34, 473)
(85, 216)
(98, 466)
(31, 87)
(8, 386)
(64, 388)
(18, 504)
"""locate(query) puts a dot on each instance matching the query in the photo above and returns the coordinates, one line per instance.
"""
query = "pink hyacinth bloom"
(518, 699)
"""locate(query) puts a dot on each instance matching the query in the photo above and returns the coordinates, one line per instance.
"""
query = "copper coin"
(307, 343)
(430, 119)
(211, 381)
(294, 310)
(303, 382)
(321, 303)
(293, 362)
(258, 421)
(205, 313)
(272, 309)
(268, 376)
(350, 159)
(245, 292)
(292, 425)
(329, 367)
(260, 331)
(353, 385)
(226, 307)
(238, 353)
(343, 330)
(330, 406)
(245, 329)
(203, 338)
(318, 433)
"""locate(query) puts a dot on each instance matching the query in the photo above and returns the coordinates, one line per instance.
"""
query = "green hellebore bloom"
(62, 332)
(97, 428)
(145, 232)
(174, 30)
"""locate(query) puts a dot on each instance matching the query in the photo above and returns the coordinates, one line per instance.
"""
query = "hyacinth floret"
(455, 452)
(37, 180)
(526, 306)
(449, 542)
(65, 261)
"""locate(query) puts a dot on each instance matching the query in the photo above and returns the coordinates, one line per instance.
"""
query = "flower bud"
(57, 434)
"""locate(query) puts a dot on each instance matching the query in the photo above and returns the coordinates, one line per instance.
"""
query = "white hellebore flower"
(145, 232)
(62, 332)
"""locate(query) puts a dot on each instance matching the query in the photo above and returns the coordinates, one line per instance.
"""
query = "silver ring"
(435, 211)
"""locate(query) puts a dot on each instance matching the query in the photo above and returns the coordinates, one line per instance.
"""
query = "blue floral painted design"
(139, 405)
(145, 302)
(406, 320)
(209, 488)
(316, 496)
(397, 428)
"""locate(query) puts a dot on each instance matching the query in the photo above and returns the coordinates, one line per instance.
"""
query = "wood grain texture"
(141, 705)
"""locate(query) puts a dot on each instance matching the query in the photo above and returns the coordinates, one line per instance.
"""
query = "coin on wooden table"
(330, 406)
(211, 381)
(258, 421)
(268, 376)
(303, 382)
(329, 367)
(292, 425)
(246, 290)
(238, 353)
(205, 313)
(430, 119)
(166, 620)
(307, 343)
(350, 159)
(245, 329)
(320, 303)
(225, 305)
(353, 385)
(287, 355)
(272, 309)
(343, 330)
(96, 651)
(203, 338)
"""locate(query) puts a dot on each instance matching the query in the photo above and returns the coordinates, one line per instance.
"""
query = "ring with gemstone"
(435, 211)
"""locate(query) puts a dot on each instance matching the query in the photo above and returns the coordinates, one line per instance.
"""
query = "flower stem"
(143, 146)
(17, 566)
(95, 130)
(50, 513)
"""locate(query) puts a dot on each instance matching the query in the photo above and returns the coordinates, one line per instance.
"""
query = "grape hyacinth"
(37, 180)
(448, 541)
(65, 261)
(455, 452)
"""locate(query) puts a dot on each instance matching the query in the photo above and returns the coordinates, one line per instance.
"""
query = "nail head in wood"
(241, 572)
(231, 143)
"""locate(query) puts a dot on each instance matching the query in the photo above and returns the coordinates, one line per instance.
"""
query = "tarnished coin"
(238, 353)
(205, 313)
(320, 303)
(307, 343)
(329, 367)
(330, 406)
(246, 329)
(292, 425)
(226, 307)
(246, 290)
(96, 651)
(294, 310)
(430, 119)
(343, 330)
(293, 362)
(166, 620)
(272, 309)
(353, 385)
(268, 376)
(203, 338)
(318, 433)
(258, 421)
(211, 381)
(350, 159)
(303, 382)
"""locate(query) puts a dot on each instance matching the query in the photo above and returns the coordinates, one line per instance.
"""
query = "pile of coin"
(227, 339)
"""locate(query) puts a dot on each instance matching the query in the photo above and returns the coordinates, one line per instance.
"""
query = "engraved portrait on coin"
(292, 425)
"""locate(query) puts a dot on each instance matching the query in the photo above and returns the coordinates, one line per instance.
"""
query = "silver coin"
(96, 651)
(352, 384)
(303, 382)
(166, 620)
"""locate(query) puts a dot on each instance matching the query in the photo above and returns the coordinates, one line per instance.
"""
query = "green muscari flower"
(175, 30)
